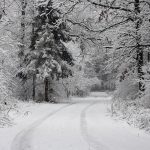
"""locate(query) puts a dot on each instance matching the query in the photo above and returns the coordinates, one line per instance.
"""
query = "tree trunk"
(46, 89)
(22, 39)
(32, 47)
(138, 48)
(139, 67)
(34, 86)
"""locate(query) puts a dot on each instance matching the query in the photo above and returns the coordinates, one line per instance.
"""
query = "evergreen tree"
(48, 57)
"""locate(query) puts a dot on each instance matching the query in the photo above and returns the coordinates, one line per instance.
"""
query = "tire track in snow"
(94, 144)
(22, 141)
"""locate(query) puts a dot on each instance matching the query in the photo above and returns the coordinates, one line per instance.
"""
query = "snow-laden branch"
(130, 46)
(72, 7)
(98, 31)
(110, 6)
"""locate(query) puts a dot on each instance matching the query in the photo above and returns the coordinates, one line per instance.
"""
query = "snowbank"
(133, 112)
(16, 119)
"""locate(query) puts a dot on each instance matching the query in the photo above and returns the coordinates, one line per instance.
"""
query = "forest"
(54, 50)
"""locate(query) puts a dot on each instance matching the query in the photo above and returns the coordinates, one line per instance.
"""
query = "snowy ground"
(83, 124)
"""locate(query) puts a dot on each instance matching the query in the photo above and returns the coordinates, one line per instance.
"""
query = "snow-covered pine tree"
(48, 57)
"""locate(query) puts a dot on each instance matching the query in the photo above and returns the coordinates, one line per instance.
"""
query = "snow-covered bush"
(127, 90)
(146, 96)
(77, 84)
(133, 112)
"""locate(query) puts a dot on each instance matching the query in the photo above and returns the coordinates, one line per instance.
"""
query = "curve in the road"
(22, 139)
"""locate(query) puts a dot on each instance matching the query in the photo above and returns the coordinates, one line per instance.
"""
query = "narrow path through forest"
(83, 124)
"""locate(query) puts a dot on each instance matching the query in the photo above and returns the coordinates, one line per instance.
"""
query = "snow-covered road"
(84, 124)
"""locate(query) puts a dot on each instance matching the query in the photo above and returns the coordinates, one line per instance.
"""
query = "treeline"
(41, 52)
(61, 41)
